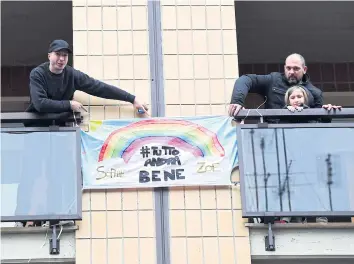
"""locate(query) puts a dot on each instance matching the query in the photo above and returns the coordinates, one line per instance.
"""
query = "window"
(27, 28)
(320, 31)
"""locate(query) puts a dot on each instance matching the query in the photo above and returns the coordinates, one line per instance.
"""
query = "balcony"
(40, 181)
(297, 172)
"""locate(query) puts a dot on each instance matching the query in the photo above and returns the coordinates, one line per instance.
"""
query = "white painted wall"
(18, 245)
(308, 261)
(304, 241)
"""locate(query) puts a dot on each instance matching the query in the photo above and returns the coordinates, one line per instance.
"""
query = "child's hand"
(299, 108)
(291, 108)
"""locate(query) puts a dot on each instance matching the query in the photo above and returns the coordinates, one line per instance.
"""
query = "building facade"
(199, 66)
(181, 58)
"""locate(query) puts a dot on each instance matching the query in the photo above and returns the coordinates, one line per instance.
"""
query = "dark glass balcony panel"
(40, 174)
(297, 169)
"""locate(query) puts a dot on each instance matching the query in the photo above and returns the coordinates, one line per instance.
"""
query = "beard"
(292, 80)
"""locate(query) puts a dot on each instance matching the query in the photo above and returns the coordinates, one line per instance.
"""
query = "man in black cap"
(52, 87)
(53, 83)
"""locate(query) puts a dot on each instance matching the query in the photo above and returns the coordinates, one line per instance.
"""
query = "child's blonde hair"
(291, 90)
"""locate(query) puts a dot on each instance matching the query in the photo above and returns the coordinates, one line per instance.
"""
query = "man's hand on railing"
(329, 107)
(75, 106)
(234, 109)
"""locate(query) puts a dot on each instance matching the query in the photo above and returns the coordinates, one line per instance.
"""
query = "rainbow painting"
(181, 134)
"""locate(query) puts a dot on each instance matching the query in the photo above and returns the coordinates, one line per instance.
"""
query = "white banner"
(159, 152)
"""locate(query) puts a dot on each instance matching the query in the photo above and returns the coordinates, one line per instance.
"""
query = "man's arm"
(40, 99)
(317, 97)
(89, 85)
(256, 83)
(318, 102)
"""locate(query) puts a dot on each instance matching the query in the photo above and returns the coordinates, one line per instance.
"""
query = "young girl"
(296, 98)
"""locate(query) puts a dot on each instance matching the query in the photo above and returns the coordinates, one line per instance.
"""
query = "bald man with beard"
(273, 86)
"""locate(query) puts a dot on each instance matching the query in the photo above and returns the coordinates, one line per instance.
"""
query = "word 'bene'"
(144, 176)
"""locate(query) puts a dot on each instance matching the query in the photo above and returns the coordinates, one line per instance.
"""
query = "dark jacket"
(273, 86)
(51, 93)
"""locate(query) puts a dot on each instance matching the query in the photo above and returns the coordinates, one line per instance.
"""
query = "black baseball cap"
(59, 44)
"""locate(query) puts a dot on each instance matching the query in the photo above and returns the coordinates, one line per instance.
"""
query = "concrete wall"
(298, 242)
(308, 261)
(31, 245)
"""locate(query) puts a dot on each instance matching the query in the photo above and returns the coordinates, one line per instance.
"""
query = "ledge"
(303, 226)
(303, 258)
(37, 261)
(33, 243)
(284, 113)
(304, 241)
(34, 230)
(25, 117)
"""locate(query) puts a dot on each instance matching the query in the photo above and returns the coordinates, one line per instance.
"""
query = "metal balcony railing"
(284, 114)
(14, 119)
(297, 165)
(41, 167)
